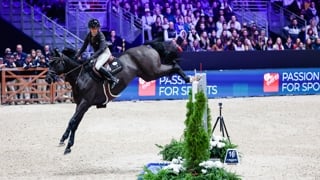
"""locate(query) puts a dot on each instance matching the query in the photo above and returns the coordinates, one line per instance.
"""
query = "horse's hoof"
(61, 143)
(67, 151)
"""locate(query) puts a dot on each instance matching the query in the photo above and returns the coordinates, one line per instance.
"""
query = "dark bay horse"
(142, 61)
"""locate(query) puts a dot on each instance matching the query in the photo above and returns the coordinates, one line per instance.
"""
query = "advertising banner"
(230, 83)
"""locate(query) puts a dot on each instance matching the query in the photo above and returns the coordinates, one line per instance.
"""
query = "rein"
(67, 73)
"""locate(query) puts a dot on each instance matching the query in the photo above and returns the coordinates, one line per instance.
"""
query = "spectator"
(21, 56)
(47, 52)
(10, 63)
(316, 45)
(193, 35)
(300, 46)
(238, 45)
(210, 24)
(228, 45)
(293, 30)
(170, 33)
(255, 35)
(225, 36)
(263, 35)
(135, 10)
(180, 25)
(260, 45)
(183, 42)
(234, 34)
(219, 23)
(168, 14)
(33, 54)
(116, 42)
(296, 43)
(311, 35)
(157, 29)
(196, 46)
(269, 45)
(2, 65)
(313, 26)
(312, 13)
(212, 37)
(147, 21)
(288, 45)
(248, 45)
(215, 9)
(235, 22)
(308, 45)
(165, 23)
(278, 45)
(157, 12)
(202, 28)
(204, 41)
(224, 29)
(227, 9)
(218, 46)
(7, 51)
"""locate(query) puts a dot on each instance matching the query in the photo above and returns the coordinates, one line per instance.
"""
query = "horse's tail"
(168, 52)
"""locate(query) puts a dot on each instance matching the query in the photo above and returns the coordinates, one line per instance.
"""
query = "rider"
(101, 51)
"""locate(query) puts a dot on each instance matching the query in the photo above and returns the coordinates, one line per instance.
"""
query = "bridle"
(60, 60)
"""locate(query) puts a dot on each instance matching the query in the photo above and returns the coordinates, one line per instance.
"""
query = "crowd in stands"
(30, 62)
(211, 25)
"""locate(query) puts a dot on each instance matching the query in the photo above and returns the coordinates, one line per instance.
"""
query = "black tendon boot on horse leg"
(106, 73)
(177, 69)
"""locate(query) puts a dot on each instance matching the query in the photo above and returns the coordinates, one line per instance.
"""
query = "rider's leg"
(101, 60)
(106, 73)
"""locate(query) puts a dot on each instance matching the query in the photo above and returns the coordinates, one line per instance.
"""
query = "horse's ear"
(57, 52)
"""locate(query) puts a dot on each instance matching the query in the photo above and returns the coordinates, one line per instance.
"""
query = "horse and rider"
(149, 61)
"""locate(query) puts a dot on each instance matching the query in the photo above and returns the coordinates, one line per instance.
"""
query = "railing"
(37, 25)
(21, 86)
(87, 5)
(250, 5)
(281, 17)
(125, 24)
(252, 11)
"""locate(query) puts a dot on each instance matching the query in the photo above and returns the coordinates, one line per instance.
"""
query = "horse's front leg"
(74, 122)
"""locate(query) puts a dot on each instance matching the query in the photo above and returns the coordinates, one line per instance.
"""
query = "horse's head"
(60, 63)
(56, 66)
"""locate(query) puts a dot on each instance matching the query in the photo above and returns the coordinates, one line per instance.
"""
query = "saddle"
(113, 65)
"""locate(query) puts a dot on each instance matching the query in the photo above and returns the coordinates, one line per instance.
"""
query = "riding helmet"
(94, 23)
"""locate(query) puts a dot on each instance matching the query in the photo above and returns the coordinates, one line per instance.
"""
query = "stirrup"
(114, 83)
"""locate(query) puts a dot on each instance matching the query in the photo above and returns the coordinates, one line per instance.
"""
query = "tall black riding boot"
(106, 73)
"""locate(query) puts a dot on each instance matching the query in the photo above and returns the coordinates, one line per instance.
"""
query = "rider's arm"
(102, 46)
(84, 46)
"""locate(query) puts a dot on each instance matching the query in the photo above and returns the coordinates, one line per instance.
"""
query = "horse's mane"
(69, 52)
(167, 51)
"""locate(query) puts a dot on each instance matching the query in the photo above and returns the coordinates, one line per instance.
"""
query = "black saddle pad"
(115, 66)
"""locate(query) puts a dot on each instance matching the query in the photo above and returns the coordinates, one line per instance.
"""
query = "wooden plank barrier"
(26, 86)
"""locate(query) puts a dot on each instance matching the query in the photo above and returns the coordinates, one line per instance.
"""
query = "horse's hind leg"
(177, 69)
(65, 134)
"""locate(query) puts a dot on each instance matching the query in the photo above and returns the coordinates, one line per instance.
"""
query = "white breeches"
(103, 58)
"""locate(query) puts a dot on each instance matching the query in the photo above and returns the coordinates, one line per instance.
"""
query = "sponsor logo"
(271, 82)
(147, 88)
